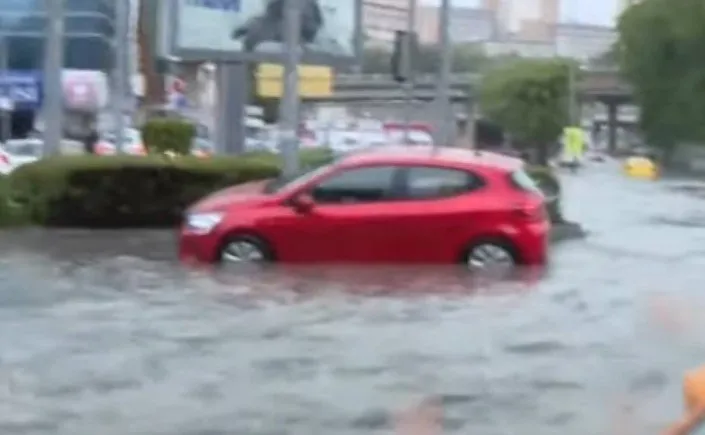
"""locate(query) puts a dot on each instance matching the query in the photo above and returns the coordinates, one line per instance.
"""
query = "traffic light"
(405, 49)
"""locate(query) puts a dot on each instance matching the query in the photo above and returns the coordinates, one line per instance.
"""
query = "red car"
(402, 205)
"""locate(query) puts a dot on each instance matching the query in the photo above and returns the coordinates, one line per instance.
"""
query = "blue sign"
(23, 88)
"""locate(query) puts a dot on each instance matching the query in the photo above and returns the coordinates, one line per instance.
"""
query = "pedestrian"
(89, 142)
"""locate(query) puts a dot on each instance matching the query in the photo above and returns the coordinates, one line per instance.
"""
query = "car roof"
(424, 155)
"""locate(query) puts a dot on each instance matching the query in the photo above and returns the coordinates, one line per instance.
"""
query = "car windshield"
(292, 182)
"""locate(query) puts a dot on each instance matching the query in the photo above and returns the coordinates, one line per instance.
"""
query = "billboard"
(253, 30)
(314, 81)
(23, 88)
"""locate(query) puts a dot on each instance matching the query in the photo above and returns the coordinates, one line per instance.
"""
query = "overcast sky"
(585, 11)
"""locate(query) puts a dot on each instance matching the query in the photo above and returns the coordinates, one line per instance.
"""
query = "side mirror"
(303, 203)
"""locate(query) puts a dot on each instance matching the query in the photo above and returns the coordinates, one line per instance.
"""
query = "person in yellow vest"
(573, 146)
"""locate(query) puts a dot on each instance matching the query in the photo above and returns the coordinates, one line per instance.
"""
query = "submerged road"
(104, 335)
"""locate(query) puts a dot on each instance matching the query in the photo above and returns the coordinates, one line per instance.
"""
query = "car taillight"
(533, 213)
(4, 159)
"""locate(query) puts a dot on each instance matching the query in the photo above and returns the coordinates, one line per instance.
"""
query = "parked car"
(133, 143)
(415, 205)
(17, 152)
(201, 147)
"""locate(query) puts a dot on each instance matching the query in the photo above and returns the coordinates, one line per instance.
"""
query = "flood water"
(103, 334)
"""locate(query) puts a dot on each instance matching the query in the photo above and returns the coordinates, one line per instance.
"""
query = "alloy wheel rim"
(490, 256)
(242, 252)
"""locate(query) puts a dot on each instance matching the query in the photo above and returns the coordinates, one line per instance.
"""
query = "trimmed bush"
(131, 191)
(168, 135)
(10, 214)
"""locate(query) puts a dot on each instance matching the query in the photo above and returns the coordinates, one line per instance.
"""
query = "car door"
(351, 218)
(436, 216)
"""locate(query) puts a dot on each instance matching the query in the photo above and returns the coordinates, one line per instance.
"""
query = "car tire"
(492, 255)
(245, 249)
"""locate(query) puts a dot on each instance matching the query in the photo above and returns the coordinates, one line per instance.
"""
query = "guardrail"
(345, 79)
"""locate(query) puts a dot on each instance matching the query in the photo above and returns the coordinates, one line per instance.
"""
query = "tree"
(154, 81)
(660, 53)
(529, 99)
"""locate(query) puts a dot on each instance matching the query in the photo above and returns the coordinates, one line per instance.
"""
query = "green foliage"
(529, 99)
(660, 53)
(10, 215)
(129, 191)
(168, 135)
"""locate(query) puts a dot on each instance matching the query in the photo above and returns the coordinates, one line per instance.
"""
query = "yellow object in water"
(694, 389)
(641, 167)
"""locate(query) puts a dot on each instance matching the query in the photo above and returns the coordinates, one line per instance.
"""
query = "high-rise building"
(91, 50)
(381, 18)
(466, 25)
(525, 19)
(88, 47)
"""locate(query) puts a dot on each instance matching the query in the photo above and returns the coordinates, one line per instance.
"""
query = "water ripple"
(100, 338)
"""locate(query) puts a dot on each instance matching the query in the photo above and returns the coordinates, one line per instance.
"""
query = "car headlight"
(203, 223)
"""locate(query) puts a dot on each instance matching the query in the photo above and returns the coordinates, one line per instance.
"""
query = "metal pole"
(289, 104)
(233, 92)
(571, 94)
(53, 66)
(409, 68)
(7, 99)
(443, 89)
(120, 70)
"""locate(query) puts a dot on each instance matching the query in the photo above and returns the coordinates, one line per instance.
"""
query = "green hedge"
(168, 135)
(130, 191)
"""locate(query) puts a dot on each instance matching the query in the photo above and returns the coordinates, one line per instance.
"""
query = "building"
(583, 41)
(466, 25)
(529, 20)
(382, 18)
(88, 55)
(520, 48)
(472, 25)
(88, 41)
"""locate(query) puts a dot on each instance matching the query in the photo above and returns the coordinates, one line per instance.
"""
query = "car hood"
(247, 194)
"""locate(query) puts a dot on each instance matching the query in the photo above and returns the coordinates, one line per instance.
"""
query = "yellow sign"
(314, 81)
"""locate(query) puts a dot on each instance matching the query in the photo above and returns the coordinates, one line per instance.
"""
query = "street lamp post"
(571, 94)
(289, 104)
(443, 89)
(120, 72)
(53, 65)
(409, 69)
(6, 103)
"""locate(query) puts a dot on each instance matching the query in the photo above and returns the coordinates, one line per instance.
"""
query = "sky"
(600, 12)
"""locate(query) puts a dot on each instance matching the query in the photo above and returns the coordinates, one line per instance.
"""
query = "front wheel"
(244, 250)
(494, 257)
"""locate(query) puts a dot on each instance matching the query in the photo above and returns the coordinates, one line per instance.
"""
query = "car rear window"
(523, 181)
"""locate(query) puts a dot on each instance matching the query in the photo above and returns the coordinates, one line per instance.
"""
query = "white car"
(17, 152)
(133, 143)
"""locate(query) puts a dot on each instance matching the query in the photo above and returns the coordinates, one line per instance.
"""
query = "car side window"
(358, 185)
(424, 182)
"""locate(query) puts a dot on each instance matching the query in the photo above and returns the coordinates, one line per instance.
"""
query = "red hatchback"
(405, 205)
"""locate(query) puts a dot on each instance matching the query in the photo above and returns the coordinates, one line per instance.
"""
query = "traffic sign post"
(7, 106)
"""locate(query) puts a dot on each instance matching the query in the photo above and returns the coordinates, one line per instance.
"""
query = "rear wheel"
(492, 256)
(245, 250)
